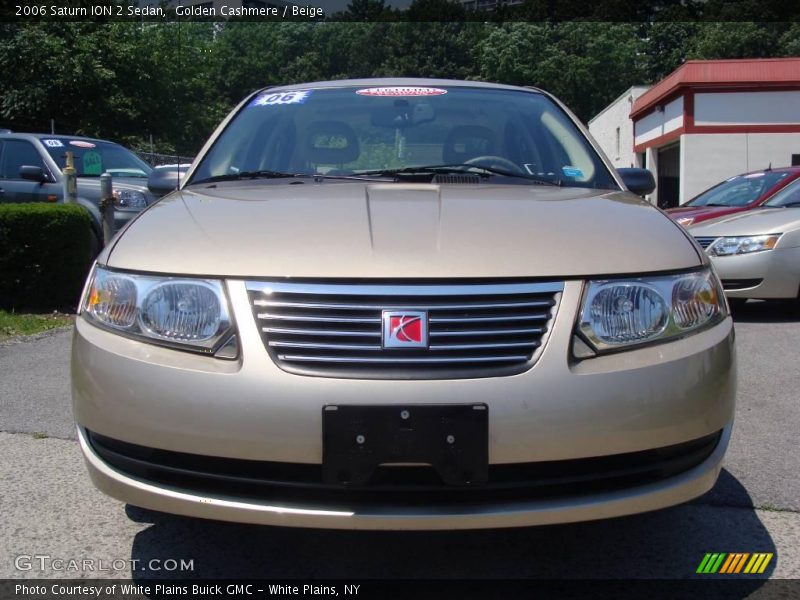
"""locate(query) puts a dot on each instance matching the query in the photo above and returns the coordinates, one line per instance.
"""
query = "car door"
(14, 155)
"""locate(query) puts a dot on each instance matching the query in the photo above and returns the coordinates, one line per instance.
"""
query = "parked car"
(734, 195)
(31, 171)
(403, 304)
(757, 253)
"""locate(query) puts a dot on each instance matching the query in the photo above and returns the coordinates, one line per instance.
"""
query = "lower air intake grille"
(740, 284)
(474, 330)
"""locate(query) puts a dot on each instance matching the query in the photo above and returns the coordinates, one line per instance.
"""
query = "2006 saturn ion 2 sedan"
(403, 304)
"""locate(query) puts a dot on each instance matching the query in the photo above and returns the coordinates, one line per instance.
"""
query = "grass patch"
(12, 324)
(38, 435)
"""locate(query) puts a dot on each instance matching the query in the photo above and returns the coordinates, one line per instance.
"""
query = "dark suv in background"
(31, 171)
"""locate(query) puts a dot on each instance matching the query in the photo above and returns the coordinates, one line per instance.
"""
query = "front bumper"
(463, 515)
(774, 274)
(250, 409)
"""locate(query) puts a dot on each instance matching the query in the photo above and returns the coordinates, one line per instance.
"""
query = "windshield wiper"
(261, 174)
(483, 171)
(269, 174)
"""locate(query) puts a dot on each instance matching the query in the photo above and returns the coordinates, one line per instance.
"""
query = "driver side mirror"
(32, 173)
(163, 180)
(638, 181)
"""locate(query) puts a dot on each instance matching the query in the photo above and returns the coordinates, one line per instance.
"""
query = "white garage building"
(710, 120)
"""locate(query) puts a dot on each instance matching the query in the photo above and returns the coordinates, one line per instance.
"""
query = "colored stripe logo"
(734, 563)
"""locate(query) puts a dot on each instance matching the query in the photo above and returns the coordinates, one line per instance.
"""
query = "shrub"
(45, 255)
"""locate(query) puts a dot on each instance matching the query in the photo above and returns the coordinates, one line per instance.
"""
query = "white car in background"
(757, 253)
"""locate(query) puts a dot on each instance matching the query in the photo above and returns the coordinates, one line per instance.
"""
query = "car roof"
(47, 136)
(400, 81)
(794, 169)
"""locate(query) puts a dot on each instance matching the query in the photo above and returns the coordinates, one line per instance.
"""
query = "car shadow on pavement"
(766, 311)
(666, 544)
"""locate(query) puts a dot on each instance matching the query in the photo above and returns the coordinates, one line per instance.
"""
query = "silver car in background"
(404, 304)
(757, 253)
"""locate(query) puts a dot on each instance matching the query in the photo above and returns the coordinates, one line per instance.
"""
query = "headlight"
(728, 246)
(622, 313)
(180, 312)
(129, 199)
(685, 221)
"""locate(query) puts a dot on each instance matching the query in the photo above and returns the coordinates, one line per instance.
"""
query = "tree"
(586, 65)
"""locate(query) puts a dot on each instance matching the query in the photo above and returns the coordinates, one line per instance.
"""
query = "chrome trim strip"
(313, 346)
(268, 287)
(322, 332)
(396, 306)
(269, 316)
(388, 360)
(471, 332)
(539, 317)
(530, 344)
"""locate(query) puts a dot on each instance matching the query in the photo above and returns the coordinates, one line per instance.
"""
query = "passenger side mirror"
(32, 173)
(638, 181)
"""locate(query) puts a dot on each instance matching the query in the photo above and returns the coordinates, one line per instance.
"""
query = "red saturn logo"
(405, 329)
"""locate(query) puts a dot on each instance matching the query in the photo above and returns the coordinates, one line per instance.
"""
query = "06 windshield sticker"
(399, 92)
(53, 143)
(275, 98)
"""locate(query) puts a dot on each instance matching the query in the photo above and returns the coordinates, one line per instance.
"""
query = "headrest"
(331, 143)
(466, 142)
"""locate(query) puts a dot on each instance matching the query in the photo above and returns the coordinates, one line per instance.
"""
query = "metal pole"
(52, 126)
(70, 181)
(107, 207)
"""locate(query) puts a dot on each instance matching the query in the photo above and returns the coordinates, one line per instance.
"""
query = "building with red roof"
(712, 119)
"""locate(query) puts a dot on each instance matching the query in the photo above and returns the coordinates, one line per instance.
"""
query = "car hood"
(759, 221)
(384, 230)
(703, 212)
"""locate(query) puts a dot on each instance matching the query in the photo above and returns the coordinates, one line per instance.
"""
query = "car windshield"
(92, 158)
(738, 191)
(788, 196)
(512, 136)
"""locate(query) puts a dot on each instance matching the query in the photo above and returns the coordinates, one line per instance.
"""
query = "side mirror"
(163, 180)
(638, 181)
(32, 173)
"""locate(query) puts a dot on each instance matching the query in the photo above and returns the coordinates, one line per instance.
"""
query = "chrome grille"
(475, 330)
(705, 241)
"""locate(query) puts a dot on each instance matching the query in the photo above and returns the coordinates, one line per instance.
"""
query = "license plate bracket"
(452, 438)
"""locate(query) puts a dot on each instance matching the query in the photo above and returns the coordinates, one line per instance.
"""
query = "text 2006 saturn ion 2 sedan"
(403, 304)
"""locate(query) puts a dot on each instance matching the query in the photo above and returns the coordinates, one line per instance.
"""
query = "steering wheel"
(495, 161)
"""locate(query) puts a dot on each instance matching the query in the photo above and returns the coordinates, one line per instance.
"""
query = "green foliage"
(176, 80)
(14, 324)
(109, 80)
(585, 64)
(45, 255)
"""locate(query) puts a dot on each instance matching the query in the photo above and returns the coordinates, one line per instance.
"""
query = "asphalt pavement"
(48, 505)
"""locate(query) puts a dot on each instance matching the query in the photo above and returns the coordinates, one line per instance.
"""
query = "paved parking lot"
(49, 506)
